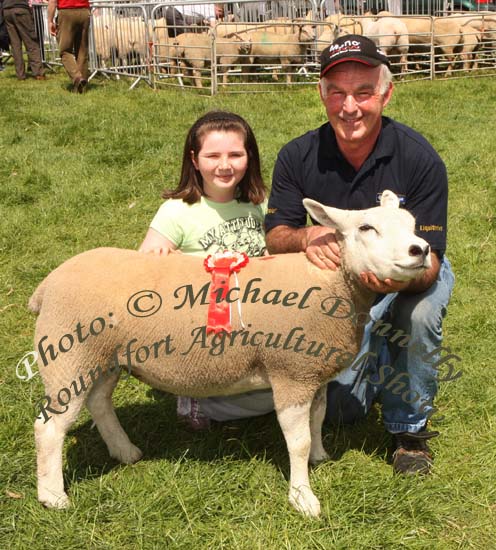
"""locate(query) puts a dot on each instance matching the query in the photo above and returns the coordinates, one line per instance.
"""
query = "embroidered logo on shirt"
(401, 198)
(428, 228)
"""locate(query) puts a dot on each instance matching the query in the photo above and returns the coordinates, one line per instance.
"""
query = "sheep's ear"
(389, 199)
(326, 215)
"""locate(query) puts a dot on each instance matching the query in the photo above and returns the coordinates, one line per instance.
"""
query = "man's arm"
(283, 239)
(52, 6)
(319, 243)
(286, 218)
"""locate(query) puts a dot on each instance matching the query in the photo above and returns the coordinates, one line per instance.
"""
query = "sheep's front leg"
(222, 68)
(287, 68)
(317, 414)
(197, 77)
(295, 424)
(100, 405)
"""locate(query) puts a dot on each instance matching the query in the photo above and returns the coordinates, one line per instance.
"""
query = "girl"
(219, 204)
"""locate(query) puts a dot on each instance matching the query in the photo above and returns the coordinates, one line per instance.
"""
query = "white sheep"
(88, 330)
(443, 32)
(391, 35)
(477, 29)
(194, 52)
(287, 50)
(326, 38)
(103, 25)
(281, 25)
(161, 43)
(132, 40)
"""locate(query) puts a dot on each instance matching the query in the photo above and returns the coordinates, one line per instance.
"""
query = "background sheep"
(291, 293)
(391, 35)
(446, 37)
(477, 29)
(194, 52)
(287, 50)
(281, 25)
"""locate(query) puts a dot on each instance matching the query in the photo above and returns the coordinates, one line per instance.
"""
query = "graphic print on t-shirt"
(243, 234)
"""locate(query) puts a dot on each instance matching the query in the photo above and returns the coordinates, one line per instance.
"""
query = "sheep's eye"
(367, 227)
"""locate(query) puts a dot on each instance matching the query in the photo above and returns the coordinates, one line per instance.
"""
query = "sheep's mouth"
(412, 267)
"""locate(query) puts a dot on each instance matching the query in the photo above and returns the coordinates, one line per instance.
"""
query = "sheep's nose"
(416, 250)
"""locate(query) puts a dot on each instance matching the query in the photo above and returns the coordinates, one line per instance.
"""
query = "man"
(71, 30)
(20, 27)
(347, 163)
(188, 16)
(4, 38)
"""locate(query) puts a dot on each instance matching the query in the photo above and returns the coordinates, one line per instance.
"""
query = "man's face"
(350, 93)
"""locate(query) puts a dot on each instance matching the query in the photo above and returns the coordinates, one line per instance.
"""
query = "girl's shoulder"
(263, 206)
(256, 209)
(177, 206)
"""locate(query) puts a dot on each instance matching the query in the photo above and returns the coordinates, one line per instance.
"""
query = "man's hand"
(322, 248)
(51, 9)
(384, 287)
(415, 286)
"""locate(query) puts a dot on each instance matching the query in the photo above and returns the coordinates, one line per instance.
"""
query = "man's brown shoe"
(40, 77)
(412, 454)
(79, 85)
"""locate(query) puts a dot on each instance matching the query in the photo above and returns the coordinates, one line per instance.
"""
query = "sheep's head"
(245, 47)
(381, 239)
(306, 33)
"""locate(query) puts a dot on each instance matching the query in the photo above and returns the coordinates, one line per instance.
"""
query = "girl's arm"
(156, 243)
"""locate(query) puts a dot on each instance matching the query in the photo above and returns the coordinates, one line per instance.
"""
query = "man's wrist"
(305, 237)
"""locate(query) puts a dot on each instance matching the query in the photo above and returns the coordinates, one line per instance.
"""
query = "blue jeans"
(403, 340)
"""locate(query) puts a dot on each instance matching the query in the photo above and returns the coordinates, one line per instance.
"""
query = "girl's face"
(222, 162)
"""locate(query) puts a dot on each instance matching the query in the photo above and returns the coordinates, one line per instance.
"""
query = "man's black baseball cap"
(352, 47)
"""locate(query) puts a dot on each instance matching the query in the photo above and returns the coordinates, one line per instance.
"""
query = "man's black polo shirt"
(312, 166)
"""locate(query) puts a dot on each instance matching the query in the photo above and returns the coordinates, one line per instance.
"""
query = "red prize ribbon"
(221, 265)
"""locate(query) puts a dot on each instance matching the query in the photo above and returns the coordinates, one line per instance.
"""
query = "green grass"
(78, 172)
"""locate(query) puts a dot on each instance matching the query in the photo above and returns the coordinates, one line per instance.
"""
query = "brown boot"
(412, 454)
(79, 85)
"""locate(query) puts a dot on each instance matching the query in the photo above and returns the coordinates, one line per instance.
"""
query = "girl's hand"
(159, 251)
(156, 243)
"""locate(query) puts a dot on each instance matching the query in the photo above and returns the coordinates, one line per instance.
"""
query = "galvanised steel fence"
(254, 46)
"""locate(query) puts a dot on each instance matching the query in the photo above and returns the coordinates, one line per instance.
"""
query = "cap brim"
(365, 61)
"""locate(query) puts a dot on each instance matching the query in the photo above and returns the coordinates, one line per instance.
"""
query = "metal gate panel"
(120, 42)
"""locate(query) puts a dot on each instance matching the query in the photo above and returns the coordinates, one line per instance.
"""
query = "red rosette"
(221, 265)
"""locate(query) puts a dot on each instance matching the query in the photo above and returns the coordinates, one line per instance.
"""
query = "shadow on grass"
(154, 429)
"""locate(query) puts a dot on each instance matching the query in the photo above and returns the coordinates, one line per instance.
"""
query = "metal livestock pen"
(254, 46)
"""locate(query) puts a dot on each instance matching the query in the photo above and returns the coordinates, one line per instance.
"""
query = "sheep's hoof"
(303, 499)
(318, 457)
(52, 500)
(129, 455)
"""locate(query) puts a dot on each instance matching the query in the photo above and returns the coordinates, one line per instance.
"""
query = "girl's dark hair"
(190, 189)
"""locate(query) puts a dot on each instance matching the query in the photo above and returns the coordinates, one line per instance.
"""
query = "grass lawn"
(77, 172)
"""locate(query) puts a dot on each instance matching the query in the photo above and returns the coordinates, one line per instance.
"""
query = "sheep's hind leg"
(295, 424)
(49, 432)
(100, 405)
(317, 414)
